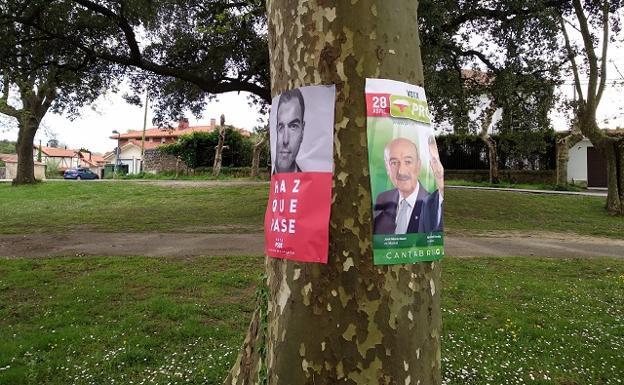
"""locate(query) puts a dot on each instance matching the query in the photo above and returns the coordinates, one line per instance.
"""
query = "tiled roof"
(169, 133)
(163, 132)
(481, 78)
(57, 152)
(12, 158)
(147, 145)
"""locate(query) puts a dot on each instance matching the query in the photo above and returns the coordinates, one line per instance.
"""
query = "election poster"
(407, 178)
(296, 223)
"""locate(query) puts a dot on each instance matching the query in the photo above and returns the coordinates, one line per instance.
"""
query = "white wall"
(131, 155)
(577, 164)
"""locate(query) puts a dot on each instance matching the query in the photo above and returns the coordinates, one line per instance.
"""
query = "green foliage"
(201, 47)
(198, 149)
(2, 164)
(7, 147)
(516, 58)
(53, 170)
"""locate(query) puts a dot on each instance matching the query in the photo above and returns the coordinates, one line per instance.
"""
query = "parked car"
(80, 173)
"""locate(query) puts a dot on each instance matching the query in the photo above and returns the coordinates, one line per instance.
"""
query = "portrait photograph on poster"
(407, 178)
(301, 129)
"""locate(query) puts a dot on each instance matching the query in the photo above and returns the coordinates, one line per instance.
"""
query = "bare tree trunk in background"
(35, 104)
(564, 145)
(255, 160)
(24, 148)
(488, 115)
(347, 322)
(216, 168)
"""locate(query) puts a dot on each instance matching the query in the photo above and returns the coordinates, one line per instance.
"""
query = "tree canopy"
(39, 74)
(184, 52)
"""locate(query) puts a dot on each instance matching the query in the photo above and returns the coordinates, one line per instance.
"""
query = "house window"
(162, 140)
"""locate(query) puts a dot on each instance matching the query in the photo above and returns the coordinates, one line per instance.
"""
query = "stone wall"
(155, 161)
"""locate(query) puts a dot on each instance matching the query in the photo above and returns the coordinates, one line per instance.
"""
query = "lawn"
(164, 321)
(59, 207)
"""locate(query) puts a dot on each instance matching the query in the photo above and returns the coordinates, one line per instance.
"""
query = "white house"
(59, 158)
(129, 154)
(586, 165)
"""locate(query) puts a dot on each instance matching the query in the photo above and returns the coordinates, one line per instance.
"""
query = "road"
(187, 244)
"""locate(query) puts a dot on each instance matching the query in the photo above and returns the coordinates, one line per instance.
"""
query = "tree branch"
(499, 14)
(5, 107)
(591, 53)
(126, 28)
(575, 71)
(605, 44)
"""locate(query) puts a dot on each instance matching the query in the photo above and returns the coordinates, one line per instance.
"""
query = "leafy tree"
(38, 75)
(7, 147)
(515, 42)
(198, 149)
(196, 49)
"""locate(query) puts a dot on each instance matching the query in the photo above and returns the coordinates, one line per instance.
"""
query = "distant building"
(129, 144)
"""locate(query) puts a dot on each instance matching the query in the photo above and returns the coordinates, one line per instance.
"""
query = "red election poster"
(296, 223)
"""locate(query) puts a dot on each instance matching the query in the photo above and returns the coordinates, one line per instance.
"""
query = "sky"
(92, 130)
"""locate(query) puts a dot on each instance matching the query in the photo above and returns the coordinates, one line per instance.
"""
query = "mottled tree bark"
(348, 322)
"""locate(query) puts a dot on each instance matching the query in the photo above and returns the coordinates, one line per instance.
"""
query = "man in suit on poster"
(398, 211)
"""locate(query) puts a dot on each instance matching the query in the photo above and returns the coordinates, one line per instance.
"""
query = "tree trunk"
(347, 322)
(488, 115)
(563, 155)
(216, 168)
(493, 159)
(255, 160)
(614, 153)
(25, 141)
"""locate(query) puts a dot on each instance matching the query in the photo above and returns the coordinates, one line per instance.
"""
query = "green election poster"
(407, 178)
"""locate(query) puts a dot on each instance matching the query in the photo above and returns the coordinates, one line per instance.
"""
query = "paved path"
(184, 244)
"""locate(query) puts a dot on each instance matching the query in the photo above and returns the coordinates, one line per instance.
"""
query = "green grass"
(486, 211)
(180, 321)
(59, 207)
(117, 320)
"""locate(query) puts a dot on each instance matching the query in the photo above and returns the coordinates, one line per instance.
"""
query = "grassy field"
(58, 207)
(180, 321)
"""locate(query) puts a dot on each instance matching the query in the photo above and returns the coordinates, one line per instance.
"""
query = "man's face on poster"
(290, 126)
(402, 165)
